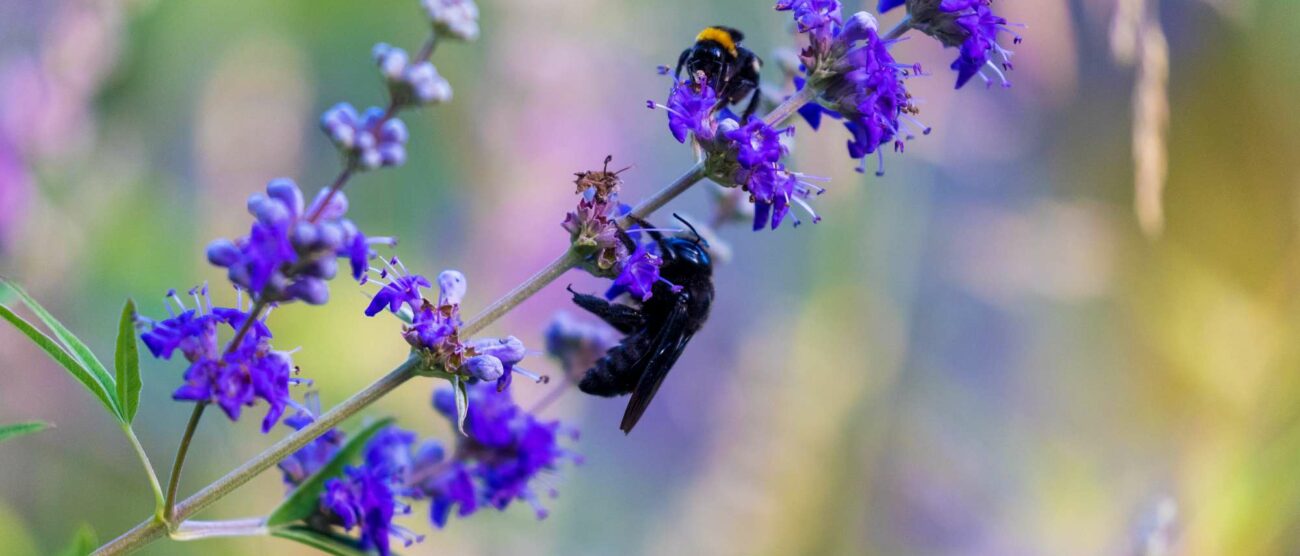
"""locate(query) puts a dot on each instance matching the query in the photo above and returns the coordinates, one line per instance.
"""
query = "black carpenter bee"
(728, 67)
(657, 330)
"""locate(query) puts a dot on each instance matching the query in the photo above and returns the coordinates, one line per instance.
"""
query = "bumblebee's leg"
(681, 61)
(623, 318)
(753, 105)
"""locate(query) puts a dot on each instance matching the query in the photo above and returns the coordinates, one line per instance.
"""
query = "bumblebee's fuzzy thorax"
(722, 36)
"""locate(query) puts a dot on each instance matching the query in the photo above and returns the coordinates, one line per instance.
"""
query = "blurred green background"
(979, 353)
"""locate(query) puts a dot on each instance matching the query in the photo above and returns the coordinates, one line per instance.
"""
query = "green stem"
(159, 505)
(904, 25)
(151, 530)
(193, 530)
(169, 507)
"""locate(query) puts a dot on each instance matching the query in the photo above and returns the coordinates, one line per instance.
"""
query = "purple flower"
(410, 84)
(819, 19)
(576, 343)
(232, 379)
(446, 483)
(454, 18)
(640, 274)
(867, 91)
(758, 143)
(506, 352)
(401, 291)
(504, 447)
(593, 231)
(369, 140)
(364, 496)
(288, 254)
(968, 25)
(310, 458)
(690, 110)
(774, 190)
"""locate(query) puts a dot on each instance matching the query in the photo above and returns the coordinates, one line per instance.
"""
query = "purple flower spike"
(507, 450)
(410, 83)
(758, 143)
(287, 256)
(367, 496)
(639, 275)
(690, 110)
(233, 378)
(368, 141)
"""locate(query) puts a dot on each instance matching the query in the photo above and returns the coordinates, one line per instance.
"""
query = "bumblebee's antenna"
(698, 239)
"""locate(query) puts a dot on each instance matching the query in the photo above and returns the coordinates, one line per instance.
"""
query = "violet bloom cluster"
(434, 327)
(291, 250)
(367, 140)
(577, 344)
(593, 225)
(499, 460)
(859, 81)
(233, 378)
(968, 25)
(410, 84)
(502, 453)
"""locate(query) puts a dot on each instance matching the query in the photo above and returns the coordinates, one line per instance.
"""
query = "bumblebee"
(718, 59)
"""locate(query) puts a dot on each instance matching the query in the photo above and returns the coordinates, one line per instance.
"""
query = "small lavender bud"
(313, 291)
(454, 18)
(451, 287)
(223, 253)
(484, 367)
(305, 236)
(857, 27)
(510, 350)
(267, 210)
(287, 192)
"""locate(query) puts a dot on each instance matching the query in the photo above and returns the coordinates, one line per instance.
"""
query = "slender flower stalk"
(260, 304)
(151, 530)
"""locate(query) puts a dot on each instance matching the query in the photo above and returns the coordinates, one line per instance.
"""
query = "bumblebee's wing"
(664, 351)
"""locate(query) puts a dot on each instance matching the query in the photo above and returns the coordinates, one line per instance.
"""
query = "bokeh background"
(982, 352)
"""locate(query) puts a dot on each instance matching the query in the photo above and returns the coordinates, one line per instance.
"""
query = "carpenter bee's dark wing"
(664, 351)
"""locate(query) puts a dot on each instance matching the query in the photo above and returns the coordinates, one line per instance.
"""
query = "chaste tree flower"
(499, 460)
(457, 19)
(502, 453)
(860, 83)
(593, 225)
(233, 378)
(434, 328)
(410, 84)
(577, 344)
(968, 25)
(291, 250)
(367, 141)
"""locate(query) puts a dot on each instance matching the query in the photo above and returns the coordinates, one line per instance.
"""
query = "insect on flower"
(678, 290)
(725, 65)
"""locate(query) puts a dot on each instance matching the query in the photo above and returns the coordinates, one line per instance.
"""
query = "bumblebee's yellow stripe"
(720, 36)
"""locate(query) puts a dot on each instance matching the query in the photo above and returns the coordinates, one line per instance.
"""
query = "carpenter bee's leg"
(623, 318)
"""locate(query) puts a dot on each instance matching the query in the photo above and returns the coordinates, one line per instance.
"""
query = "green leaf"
(84, 541)
(126, 361)
(462, 401)
(20, 429)
(75, 346)
(324, 542)
(56, 352)
(306, 498)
